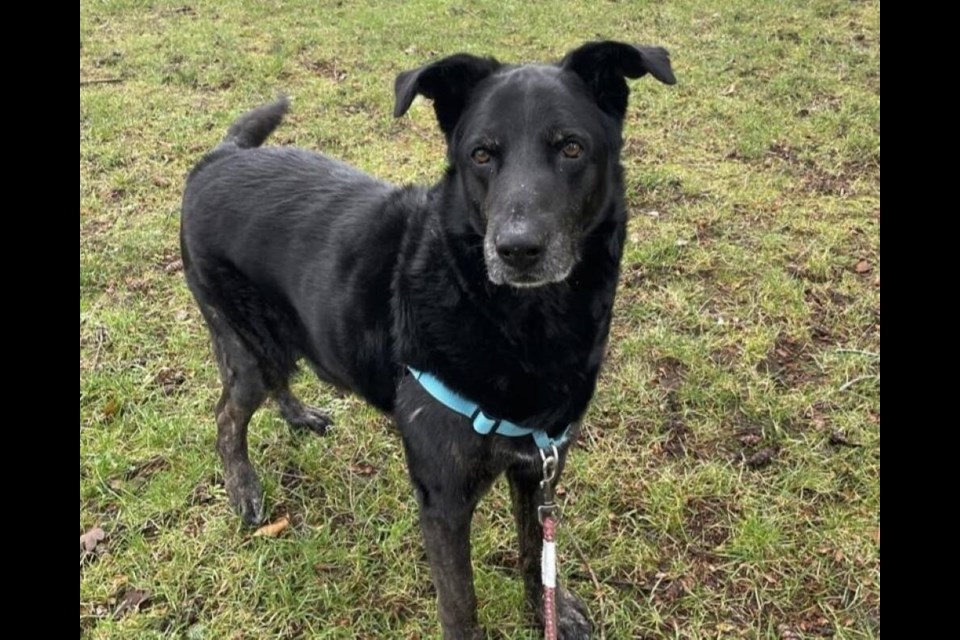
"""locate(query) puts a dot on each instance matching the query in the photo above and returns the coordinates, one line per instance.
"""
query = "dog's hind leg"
(301, 416)
(244, 390)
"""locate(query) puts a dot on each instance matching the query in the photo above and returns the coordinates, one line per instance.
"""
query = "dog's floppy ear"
(603, 66)
(448, 82)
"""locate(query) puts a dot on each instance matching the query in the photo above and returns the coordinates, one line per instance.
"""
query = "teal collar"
(483, 424)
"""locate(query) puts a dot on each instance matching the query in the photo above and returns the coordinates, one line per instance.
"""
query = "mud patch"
(788, 363)
(676, 435)
(706, 521)
(331, 70)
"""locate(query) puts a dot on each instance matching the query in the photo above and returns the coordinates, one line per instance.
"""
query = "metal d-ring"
(551, 462)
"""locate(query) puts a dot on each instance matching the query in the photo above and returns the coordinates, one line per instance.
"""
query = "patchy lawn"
(728, 481)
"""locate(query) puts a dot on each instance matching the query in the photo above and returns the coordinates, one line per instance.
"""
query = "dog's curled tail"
(253, 127)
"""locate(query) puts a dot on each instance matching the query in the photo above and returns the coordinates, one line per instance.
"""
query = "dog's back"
(274, 239)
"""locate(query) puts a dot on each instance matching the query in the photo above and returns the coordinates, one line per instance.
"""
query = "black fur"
(500, 280)
(252, 128)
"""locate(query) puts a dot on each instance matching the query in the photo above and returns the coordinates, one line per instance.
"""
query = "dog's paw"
(573, 622)
(246, 495)
(310, 419)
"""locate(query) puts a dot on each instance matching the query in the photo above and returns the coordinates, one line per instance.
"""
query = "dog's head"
(535, 148)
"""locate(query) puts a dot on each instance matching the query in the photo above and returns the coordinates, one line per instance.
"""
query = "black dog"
(499, 281)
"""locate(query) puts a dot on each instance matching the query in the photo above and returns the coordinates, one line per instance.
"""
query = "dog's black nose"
(520, 251)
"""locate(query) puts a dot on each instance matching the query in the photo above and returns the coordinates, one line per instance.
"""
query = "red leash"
(548, 558)
(549, 572)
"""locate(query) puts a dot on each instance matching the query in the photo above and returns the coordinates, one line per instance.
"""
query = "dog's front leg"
(572, 619)
(448, 482)
(446, 537)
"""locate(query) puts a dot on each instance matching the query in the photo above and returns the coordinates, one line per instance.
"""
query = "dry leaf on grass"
(273, 529)
(169, 379)
(110, 408)
(90, 539)
(761, 458)
(132, 600)
(839, 439)
(363, 469)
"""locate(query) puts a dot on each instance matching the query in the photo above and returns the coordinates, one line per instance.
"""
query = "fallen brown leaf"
(146, 468)
(273, 529)
(169, 379)
(132, 600)
(90, 539)
(786, 633)
(363, 469)
(839, 439)
(761, 458)
(110, 408)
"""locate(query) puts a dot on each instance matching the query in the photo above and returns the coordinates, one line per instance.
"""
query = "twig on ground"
(872, 354)
(849, 383)
(101, 333)
(101, 81)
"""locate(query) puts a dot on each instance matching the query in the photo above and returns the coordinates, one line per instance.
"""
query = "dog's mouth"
(532, 280)
(524, 281)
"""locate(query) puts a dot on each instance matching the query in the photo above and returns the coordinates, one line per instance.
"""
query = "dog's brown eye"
(572, 149)
(480, 155)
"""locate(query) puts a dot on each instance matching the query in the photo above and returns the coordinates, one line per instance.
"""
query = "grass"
(728, 484)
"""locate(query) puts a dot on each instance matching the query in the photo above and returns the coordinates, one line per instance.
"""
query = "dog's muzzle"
(526, 260)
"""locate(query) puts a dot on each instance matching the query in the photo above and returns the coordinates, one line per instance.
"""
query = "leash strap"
(548, 568)
(547, 514)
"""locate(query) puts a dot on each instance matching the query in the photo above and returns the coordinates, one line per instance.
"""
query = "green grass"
(754, 188)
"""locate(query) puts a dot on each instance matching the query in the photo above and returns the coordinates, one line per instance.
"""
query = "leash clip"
(551, 462)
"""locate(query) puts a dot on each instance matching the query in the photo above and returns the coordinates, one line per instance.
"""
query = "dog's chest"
(517, 361)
